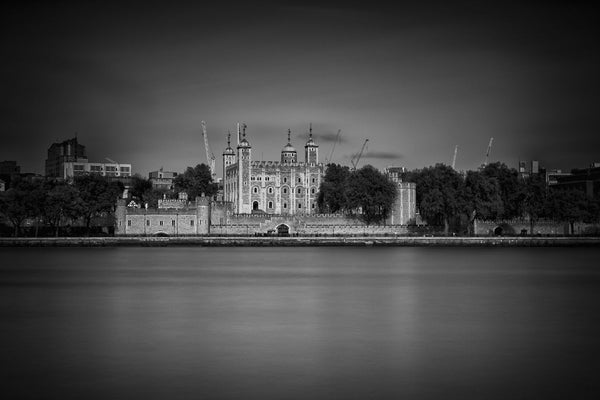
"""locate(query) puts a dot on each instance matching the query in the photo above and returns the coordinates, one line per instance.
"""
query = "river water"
(300, 323)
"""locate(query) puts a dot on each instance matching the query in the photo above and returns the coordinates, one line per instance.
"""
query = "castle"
(264, 197)
(284, 187)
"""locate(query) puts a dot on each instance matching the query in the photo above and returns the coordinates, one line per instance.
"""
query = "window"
(284, 205)
(270, 190)
(284, 180)
(313, 180)
(124, 169)
(270, 204)
(147, 222)
(109, 168)
(266, 178)
(95, 168)
(312, 206)
(299, 205)
(299, 180)
(312, 190)
(172, 222)
(128, 222)
(284, 190)
(191, 222)
(160, 223)
(77, 167)
(255, 190)
(299, 190)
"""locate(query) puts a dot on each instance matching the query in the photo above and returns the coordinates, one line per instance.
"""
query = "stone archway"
(255, 206)
(283, 230)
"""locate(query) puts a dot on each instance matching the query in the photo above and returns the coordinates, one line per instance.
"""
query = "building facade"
(285, 187)
(162, 180)
(68, 151)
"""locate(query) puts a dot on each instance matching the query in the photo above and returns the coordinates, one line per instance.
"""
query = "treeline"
(366, 193)
(55, 203)
(453, 200)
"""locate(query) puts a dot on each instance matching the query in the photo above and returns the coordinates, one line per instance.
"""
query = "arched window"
(270, 190)
(284, 180)
(312, 190)
(255, 190)
(299, 190)
(284, 190)
(299, 180)
(270, 204)
(284, 205)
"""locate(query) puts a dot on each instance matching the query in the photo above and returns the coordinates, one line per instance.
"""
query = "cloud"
(382, 155)
(325, 137)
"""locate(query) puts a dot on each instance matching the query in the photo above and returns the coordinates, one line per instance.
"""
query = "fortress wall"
(516, 227)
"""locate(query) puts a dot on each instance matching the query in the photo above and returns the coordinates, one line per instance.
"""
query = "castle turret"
(288, 153)
(244, 156)
(311, 150)
(228, 159)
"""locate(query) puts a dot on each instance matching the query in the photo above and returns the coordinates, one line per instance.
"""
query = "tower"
(228, 159)
(311, 150)
(244, 154)
(288, 153)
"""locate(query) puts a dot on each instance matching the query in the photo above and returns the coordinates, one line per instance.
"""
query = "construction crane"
(356, 158)
(337, 137)
(487, 154)
(454, 158)
(210, 157)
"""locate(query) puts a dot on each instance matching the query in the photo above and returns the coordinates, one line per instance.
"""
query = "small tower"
(244, 155)
(288, 153)
(228, 159)
(311, 150)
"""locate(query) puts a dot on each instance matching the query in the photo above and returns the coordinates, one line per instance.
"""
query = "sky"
(133, 81)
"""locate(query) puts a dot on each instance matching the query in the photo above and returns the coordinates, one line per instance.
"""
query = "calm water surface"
(300, 323)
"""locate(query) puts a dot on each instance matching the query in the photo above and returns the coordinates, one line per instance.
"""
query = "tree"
(15, 205)
(482, 197)
(570, 205)
(373, 192)
(534, 200)
(144, 192)
(196, 181)
(98, 195)
(438, 194)
(62, 201)
(508, 184)
(332, 192)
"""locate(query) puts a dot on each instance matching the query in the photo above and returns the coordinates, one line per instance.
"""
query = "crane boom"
(337, 137)
(357, 157)
(454, 158)
(210, 157)
(487, 154)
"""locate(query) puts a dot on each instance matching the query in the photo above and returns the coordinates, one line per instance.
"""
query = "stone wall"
(519, 227)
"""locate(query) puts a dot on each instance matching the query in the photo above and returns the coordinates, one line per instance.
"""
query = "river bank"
(298, 241)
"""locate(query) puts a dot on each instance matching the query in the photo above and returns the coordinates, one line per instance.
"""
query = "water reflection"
(300, 322)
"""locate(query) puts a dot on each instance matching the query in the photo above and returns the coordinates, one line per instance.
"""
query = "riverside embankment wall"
(301, 241)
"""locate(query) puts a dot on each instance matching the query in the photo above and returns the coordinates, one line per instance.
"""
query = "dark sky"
(134, 81)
